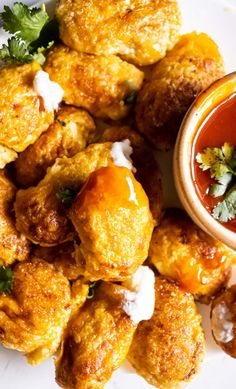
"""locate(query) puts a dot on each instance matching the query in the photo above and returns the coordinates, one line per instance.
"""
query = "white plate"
(218, 19)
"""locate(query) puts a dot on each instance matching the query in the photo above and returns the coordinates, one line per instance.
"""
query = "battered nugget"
(23, 117)
(35, 314)
(223, 320)
(41, 210)
(100, 84)
(141, 31)
(148, 172)
(168, 349)
(70, 133)
(63, 259)
(96, 342)
(181, 250)
(13, 245)
(112, 217)
(192, 65)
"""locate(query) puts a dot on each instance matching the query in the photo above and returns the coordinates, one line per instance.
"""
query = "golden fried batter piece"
(112, 217)
(100, 84)
(40, 213)
(62, 257)
(6, 156)
(192, 65)
(35, 314)
(148, 172)
(70, 133)
(22, 114)
(141, 31)
(168, 349)
(96, 342)
(223, 320)
(181, 250)
(13, 245)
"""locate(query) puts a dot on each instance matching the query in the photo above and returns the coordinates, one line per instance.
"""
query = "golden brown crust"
(40, 214)
(22, 114)
(13, 245)
(181, 250)
(34, 315)
(141, 31)
(148, 172)
(115, 230)
(99, 84)
(96, 342)
(70, 133)
(190, 67)
(168, 349)
(62, 257)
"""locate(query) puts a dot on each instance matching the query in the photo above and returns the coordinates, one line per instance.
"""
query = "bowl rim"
(182, 159)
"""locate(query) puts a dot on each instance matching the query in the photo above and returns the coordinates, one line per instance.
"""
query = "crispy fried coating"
(13, 245)
(6, 156)
(100, 84)
(168, 349)
(148, 172)
(40, 213)
(181, 250)
(96, 342)
(34, 315)
(70, 133)
(192, 65)
(112, 217)
(141, 31)
(62, 257)
(22, 114)
(223, 320)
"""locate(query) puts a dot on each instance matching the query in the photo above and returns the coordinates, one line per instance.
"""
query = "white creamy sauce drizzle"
(132, 196)
(50, 91)
(121, 152)
(222, 325)
(139, 299)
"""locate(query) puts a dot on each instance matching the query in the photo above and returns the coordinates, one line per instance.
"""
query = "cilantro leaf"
(15, 50)
(217, 190)
(6, 280)
(226, 209)
(67, 195)
(132, 92)
(26, 23)
(214, 160)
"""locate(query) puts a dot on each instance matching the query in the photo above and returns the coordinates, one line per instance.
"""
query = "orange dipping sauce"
(217, 128)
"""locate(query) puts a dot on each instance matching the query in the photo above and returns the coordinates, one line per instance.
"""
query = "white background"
(217, 18)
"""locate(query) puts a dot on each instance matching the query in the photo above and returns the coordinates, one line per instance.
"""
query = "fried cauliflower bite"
(168, 349)
(70, 133)
(141, 31)
(96, 341)
(181, 250)
(223, 320)
(35, 314)
(40, 213)
(13, 245)
(190, 67)
(148, 172)
(100, 84)
(23, 117)
(112, 218)
(62, 257)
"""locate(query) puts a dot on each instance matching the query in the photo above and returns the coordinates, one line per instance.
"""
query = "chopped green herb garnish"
(221, 161)
(131, 93)
(32, 32)
(67, 195)
(62, 123)
(6, 280)
(91, 292)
